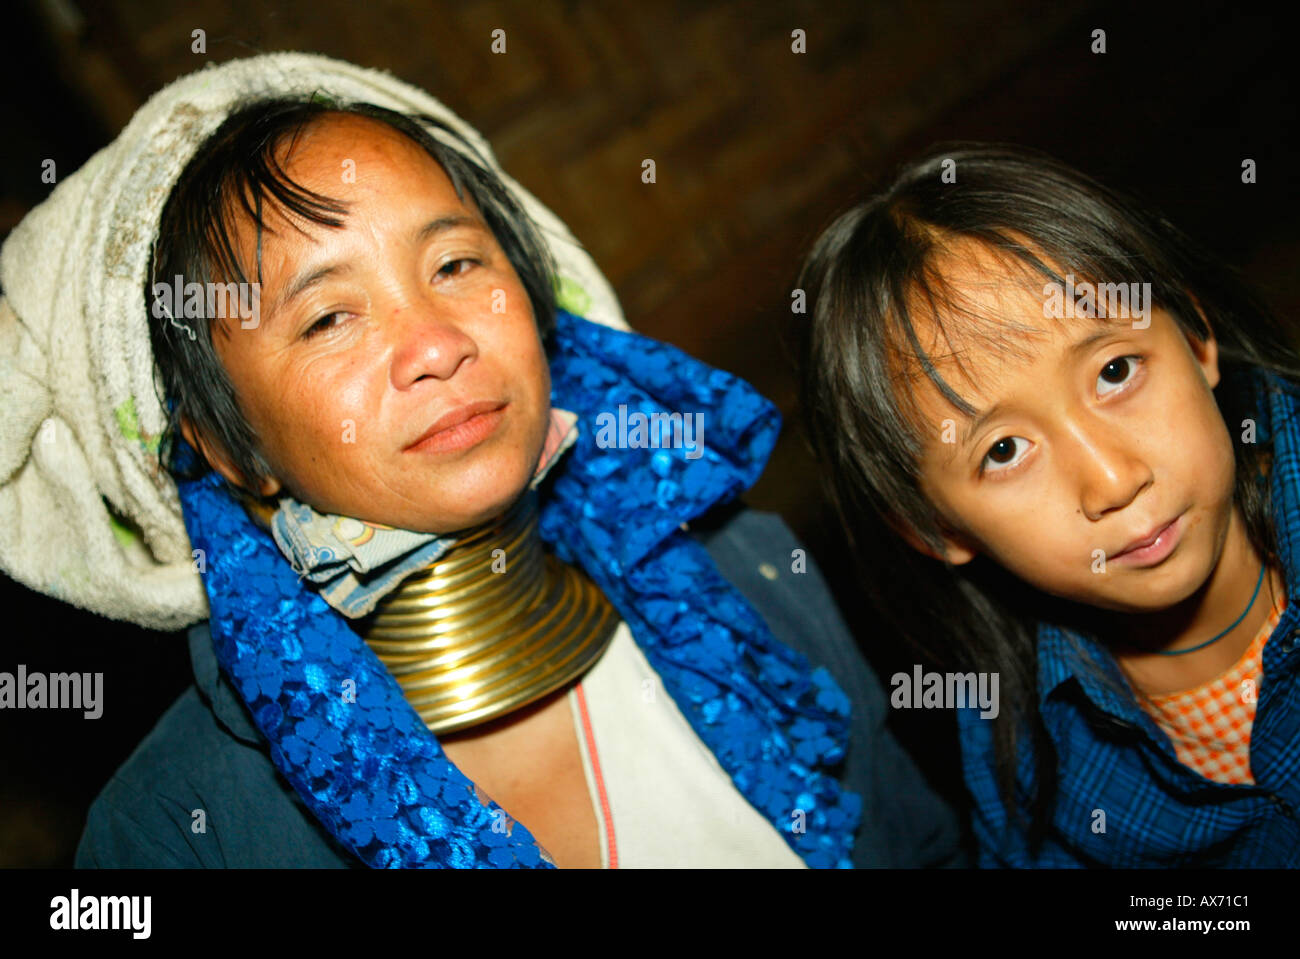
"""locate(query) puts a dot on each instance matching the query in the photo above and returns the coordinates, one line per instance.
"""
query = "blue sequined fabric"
(344, 736)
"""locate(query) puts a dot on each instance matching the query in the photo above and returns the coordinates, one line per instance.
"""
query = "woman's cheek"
(333, 409)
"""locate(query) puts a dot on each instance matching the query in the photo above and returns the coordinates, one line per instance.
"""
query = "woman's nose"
(429, 340)
(1111, 471)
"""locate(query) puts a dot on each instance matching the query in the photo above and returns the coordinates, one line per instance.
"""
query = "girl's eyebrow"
(972, 427)
(1101, 330)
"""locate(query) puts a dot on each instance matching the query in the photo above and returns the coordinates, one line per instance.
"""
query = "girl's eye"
(1001, 453)
(456, 267)
(1118, 371)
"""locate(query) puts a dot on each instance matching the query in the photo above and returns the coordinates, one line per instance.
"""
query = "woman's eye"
(321, 325)
(455, 267)
(1118, 371)
(1002, 455)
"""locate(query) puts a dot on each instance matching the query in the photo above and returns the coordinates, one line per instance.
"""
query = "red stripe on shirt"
(611, 846)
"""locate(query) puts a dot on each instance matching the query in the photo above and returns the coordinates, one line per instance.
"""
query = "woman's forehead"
(333, 136)
(361, 163)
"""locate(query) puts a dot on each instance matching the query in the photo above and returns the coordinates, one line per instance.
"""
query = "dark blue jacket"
(206, 754)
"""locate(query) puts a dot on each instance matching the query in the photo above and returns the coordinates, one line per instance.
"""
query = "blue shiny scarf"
(345, 738)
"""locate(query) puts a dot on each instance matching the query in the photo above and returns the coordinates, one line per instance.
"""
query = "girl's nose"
(1111, 472)
(430, 340)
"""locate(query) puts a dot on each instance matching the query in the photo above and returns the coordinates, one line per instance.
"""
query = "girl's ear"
(1205, 351)
(958, 550)
(220, 462)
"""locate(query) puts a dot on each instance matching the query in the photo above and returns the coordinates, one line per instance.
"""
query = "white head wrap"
(87, 513)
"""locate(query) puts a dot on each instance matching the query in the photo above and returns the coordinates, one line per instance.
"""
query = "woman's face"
(407, 317)
(1093, 444)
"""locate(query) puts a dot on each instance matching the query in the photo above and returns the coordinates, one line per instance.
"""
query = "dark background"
(756, 149)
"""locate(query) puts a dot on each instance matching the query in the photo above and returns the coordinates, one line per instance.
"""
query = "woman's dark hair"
(236, 168)
(878, 265)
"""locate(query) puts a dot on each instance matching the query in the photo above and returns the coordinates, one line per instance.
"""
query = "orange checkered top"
(1210, 724)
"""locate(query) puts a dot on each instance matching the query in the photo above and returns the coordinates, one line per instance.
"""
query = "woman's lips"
(461, 429)
(1157, 551)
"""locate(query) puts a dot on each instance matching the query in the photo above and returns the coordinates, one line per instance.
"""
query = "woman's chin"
(476, 507)
(445, 501)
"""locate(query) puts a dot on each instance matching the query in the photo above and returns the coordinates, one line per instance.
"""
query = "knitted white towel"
(87, 513)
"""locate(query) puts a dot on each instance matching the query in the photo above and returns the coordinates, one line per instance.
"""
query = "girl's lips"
(1156, 552)
(462, 436)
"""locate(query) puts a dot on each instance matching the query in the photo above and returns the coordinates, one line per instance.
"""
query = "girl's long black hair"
(867, 275)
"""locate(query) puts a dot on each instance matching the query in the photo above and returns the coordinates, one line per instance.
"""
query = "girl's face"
(1094, 434)
(407, 317)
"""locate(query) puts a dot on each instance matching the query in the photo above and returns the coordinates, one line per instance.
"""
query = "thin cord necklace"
(1192, 649)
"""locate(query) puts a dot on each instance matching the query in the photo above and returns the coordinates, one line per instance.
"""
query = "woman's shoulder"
(906, 823)
(762, 557)
(136, 820)
(195, 794)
